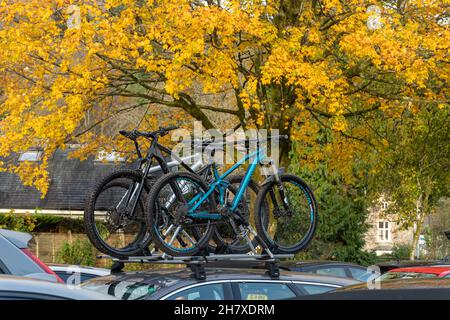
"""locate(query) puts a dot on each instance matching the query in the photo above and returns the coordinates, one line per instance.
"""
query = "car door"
(262, 290)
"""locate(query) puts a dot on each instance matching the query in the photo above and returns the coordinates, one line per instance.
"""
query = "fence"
(46, 245)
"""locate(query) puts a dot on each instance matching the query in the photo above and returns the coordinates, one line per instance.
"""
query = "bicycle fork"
(245, 228)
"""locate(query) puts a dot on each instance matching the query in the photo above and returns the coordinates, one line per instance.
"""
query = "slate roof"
(71, 180)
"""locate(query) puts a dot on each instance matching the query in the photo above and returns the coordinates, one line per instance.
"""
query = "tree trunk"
(415, 243)
(422, 212)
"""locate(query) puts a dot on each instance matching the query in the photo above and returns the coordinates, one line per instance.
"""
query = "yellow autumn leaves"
(298, 66)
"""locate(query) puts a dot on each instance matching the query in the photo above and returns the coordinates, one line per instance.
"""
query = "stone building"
(384, 233)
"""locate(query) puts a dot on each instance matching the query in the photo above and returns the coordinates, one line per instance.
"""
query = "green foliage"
(51, 223)
(401, 252)
(17, 222)
(80, 252)
(36, 222)
(342, 218)
(437, 243)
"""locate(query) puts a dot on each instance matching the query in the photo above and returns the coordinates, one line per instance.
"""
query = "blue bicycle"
(185, 213)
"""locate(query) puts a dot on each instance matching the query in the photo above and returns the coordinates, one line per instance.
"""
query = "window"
(333, 271)
(313, 288)
(384, 231)
(359, 274)
(384, 205)
(33, 156)
(265, 291)
(205, 292)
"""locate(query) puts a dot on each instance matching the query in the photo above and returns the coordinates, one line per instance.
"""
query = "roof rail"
(197, 263)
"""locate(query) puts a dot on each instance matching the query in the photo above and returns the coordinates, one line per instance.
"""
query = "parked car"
(390, 265)
(402, 289)
(78, 274)
(220, 284)
(22, 288)
(417, 272)
(329, 268)
(16, 258)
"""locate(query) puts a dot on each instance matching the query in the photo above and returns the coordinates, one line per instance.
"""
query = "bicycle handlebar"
(133, 135)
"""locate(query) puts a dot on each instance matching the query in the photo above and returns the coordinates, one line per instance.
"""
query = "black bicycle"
(114, 215)
(115, 211)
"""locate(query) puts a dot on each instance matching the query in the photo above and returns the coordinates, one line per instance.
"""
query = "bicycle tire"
(89, 215)
(218, 239)
(151, 212)
(273, 245)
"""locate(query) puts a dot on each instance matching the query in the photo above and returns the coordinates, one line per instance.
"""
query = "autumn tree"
(300, 66)
(414, 172)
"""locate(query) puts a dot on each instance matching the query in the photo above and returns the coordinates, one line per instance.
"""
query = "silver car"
(16, 259)
(22, 288)
(220, 284)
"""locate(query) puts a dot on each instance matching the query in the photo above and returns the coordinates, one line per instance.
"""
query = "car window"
(332, 271)
(359, 274)
(64, 275)
(265, 291)
(446, 276)
(313, 288)
(205, 292)
(130, 289)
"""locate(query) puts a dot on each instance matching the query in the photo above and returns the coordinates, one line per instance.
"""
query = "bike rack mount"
(197, 263)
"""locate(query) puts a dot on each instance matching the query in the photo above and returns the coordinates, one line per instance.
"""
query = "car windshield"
(131, 288)
(406, 275)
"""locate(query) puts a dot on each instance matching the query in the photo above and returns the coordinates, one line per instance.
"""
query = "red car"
(417, 272)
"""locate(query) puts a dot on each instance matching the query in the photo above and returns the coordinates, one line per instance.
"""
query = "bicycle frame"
(153, 152)
(220, 180)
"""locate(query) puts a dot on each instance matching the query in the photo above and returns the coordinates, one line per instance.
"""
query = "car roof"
(172, 275)
(418, 283)
(19, 239)
(309, 263)
(431, 270)
(27, 285)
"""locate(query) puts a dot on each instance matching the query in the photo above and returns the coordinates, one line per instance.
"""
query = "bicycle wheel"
(111, 228)
(292, 220)
(173, 230)
(227, 237)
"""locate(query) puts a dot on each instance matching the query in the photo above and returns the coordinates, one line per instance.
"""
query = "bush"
(36, 222)
(80, 252)
(50, 223)
(18, 222)
(342, 218)
(401, 252)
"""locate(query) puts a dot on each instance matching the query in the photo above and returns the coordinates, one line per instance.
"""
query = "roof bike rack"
(197, 263)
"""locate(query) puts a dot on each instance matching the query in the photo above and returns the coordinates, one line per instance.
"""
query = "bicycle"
(281, 198)
(119, 199)
(114, 214)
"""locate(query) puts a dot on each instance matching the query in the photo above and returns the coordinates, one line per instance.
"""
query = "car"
(77, 274)
(400, 289)
(417, 272)
(219, 284)
(390, 265)
(17, 259)
(22, 288)
(330, 268)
